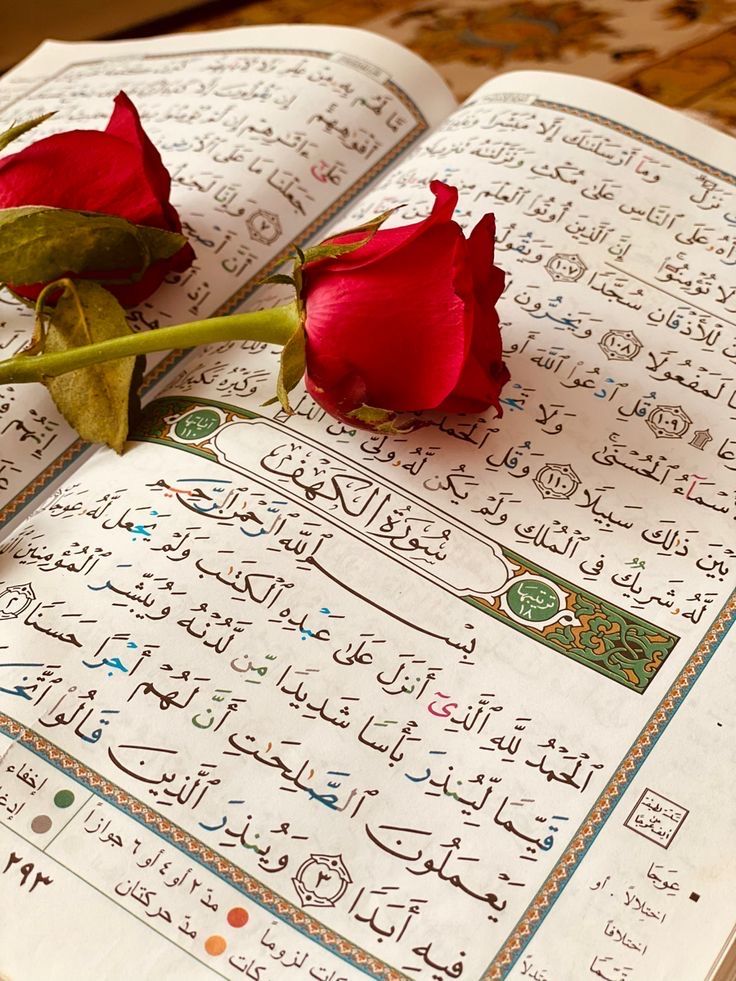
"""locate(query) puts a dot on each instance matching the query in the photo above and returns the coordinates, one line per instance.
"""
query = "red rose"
(408, 321)
(115, 172)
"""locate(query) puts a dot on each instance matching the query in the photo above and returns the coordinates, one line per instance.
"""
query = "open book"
(282, 699)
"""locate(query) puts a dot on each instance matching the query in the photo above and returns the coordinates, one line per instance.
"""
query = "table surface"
(681, 53)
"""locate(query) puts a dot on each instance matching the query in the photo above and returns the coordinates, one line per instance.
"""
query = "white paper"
(414, 697)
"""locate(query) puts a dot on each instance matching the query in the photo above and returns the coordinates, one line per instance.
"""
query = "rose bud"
(407, 321)
(116, 172)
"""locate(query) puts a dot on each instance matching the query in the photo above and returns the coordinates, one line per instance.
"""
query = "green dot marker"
(64, 798)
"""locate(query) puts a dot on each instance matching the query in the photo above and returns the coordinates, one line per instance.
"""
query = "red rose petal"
(83, 171)
(388, 240)
(396, 322)
(125, 124)
(484, 374)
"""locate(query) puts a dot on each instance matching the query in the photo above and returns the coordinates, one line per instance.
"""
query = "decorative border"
(625, 772)
(580, 625)
(635, 134)
(75, 450)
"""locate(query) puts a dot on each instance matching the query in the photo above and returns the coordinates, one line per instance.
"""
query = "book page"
(266, 132)
(434, 704)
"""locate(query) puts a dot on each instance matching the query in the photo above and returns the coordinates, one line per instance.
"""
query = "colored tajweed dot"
(237, 917)
(64, 798)
(41, 824)
(215, 945)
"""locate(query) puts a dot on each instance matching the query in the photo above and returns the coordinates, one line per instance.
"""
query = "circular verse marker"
(215, 945)
(237, 917)
(64, 798)
(41, 824)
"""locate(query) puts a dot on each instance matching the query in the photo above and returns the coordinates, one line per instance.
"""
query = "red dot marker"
(237, 917)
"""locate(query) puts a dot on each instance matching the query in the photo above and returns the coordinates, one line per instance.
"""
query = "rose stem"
(274, 326)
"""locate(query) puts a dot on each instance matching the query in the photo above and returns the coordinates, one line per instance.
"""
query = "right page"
(613, 468)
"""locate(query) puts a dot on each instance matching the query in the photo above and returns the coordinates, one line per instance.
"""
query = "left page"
(267, 133)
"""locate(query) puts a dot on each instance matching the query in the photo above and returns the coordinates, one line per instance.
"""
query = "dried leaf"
(38, 338)
(38, 245)
(18, 130)
(94, 400)
(160, 242)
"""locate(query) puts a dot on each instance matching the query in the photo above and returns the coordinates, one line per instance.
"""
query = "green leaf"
(38, 245)
(385, 420)
(299, 284)
(328, 250)
(373, 224)
(94, 400)
(291, 369)
(15, 131)
(277, 278)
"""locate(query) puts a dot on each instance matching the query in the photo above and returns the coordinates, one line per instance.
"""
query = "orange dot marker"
(215, 945)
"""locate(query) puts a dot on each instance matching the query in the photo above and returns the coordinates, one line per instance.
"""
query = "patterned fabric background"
(680, 52)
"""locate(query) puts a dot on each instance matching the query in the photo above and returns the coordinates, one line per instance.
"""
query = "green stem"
(273, 326)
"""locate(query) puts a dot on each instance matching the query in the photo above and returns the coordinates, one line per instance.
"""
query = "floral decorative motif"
(498, 35)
